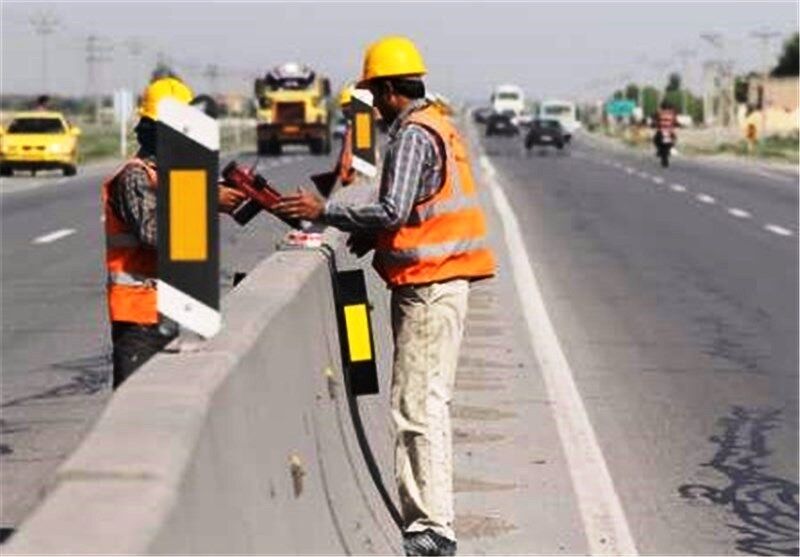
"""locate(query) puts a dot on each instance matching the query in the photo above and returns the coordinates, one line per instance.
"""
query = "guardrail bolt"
(330, 375)
(298, 471)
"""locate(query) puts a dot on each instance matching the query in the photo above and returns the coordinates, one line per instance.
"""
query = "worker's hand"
(301, 205)
(229, 198)
(360, 244)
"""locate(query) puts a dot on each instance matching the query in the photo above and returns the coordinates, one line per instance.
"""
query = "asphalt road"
(55, 339)
(674, 293)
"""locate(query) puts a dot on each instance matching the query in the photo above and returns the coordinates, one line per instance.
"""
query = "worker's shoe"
(428, 542)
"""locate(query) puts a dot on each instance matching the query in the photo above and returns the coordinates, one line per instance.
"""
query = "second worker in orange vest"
(129, 204)
(430, 239)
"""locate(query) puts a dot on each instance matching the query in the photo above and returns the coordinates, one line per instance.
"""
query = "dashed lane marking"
(739, 213)
(779, 230)
(604, 520)
(658, 179)
(677, 187)
(54, 236)
(704, 198)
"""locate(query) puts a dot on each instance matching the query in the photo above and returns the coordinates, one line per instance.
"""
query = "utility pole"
(135, 49)
(211, 73)
(97, 52)
(715, 40)
(765, 37)
(685, 54)
(44, 24)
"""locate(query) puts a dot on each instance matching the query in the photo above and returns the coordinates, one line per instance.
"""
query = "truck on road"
(508, 99)
(293, 108)
(565, 112)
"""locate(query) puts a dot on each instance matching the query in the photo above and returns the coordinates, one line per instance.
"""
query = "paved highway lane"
(679, 318)
(55, 340)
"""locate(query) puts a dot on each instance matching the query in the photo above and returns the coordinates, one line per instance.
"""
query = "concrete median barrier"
(244, 444)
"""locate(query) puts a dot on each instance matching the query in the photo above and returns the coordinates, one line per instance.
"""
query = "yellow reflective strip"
(363, 134)
(355, 318)
(188, 229)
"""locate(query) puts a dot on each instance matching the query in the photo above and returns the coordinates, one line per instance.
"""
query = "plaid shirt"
(134, 201)
(412, 171)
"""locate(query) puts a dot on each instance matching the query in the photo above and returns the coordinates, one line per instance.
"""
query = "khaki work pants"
(428, 324)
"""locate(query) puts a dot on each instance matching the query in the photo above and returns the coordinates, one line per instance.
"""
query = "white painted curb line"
(604, 520)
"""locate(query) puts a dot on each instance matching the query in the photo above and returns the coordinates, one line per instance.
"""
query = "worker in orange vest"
(430, 240)
(129, 204)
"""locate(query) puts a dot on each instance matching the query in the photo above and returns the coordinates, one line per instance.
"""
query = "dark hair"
(409, 87)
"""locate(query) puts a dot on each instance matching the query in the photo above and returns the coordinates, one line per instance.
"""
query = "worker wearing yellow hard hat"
(129, 202)
(167, 87)
(429, 234)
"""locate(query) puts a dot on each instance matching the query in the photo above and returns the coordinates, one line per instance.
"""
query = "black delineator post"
(187, 151)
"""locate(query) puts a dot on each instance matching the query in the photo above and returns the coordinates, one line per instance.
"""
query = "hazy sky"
(570, 49)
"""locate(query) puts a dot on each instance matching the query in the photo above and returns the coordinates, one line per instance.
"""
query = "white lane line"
(779, 230)
(677, 187)
(629, 170)
(644, 175)
(53, 236)
(704, 198)
(739, 213)
(658, 179)
(604, 521)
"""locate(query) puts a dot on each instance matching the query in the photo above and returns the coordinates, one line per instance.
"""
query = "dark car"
(503, 123)
(546, 132)
(481, 114)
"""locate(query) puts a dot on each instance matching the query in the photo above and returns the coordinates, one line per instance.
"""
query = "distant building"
(780, 97)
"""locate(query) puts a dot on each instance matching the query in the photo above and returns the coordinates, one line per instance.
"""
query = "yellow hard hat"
(161, 89)
(346, 94)
(392, 56)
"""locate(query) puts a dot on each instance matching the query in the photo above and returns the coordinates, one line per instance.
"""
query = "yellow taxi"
(37, 141)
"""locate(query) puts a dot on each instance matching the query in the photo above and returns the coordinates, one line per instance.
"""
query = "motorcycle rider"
(665, 122)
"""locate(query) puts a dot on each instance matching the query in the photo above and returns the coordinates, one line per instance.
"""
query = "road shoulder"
(512, 486)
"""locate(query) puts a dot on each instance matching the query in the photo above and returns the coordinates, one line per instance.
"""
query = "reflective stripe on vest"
(445, 235)
(131, 279)
(426, 212)
(130, 264)
(411, 255)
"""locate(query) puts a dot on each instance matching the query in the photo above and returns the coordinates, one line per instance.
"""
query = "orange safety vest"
(345, 164)
(445, 235)
(131, 265)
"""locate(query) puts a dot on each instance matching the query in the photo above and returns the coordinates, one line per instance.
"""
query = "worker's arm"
(398, 192)
(135, 202)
